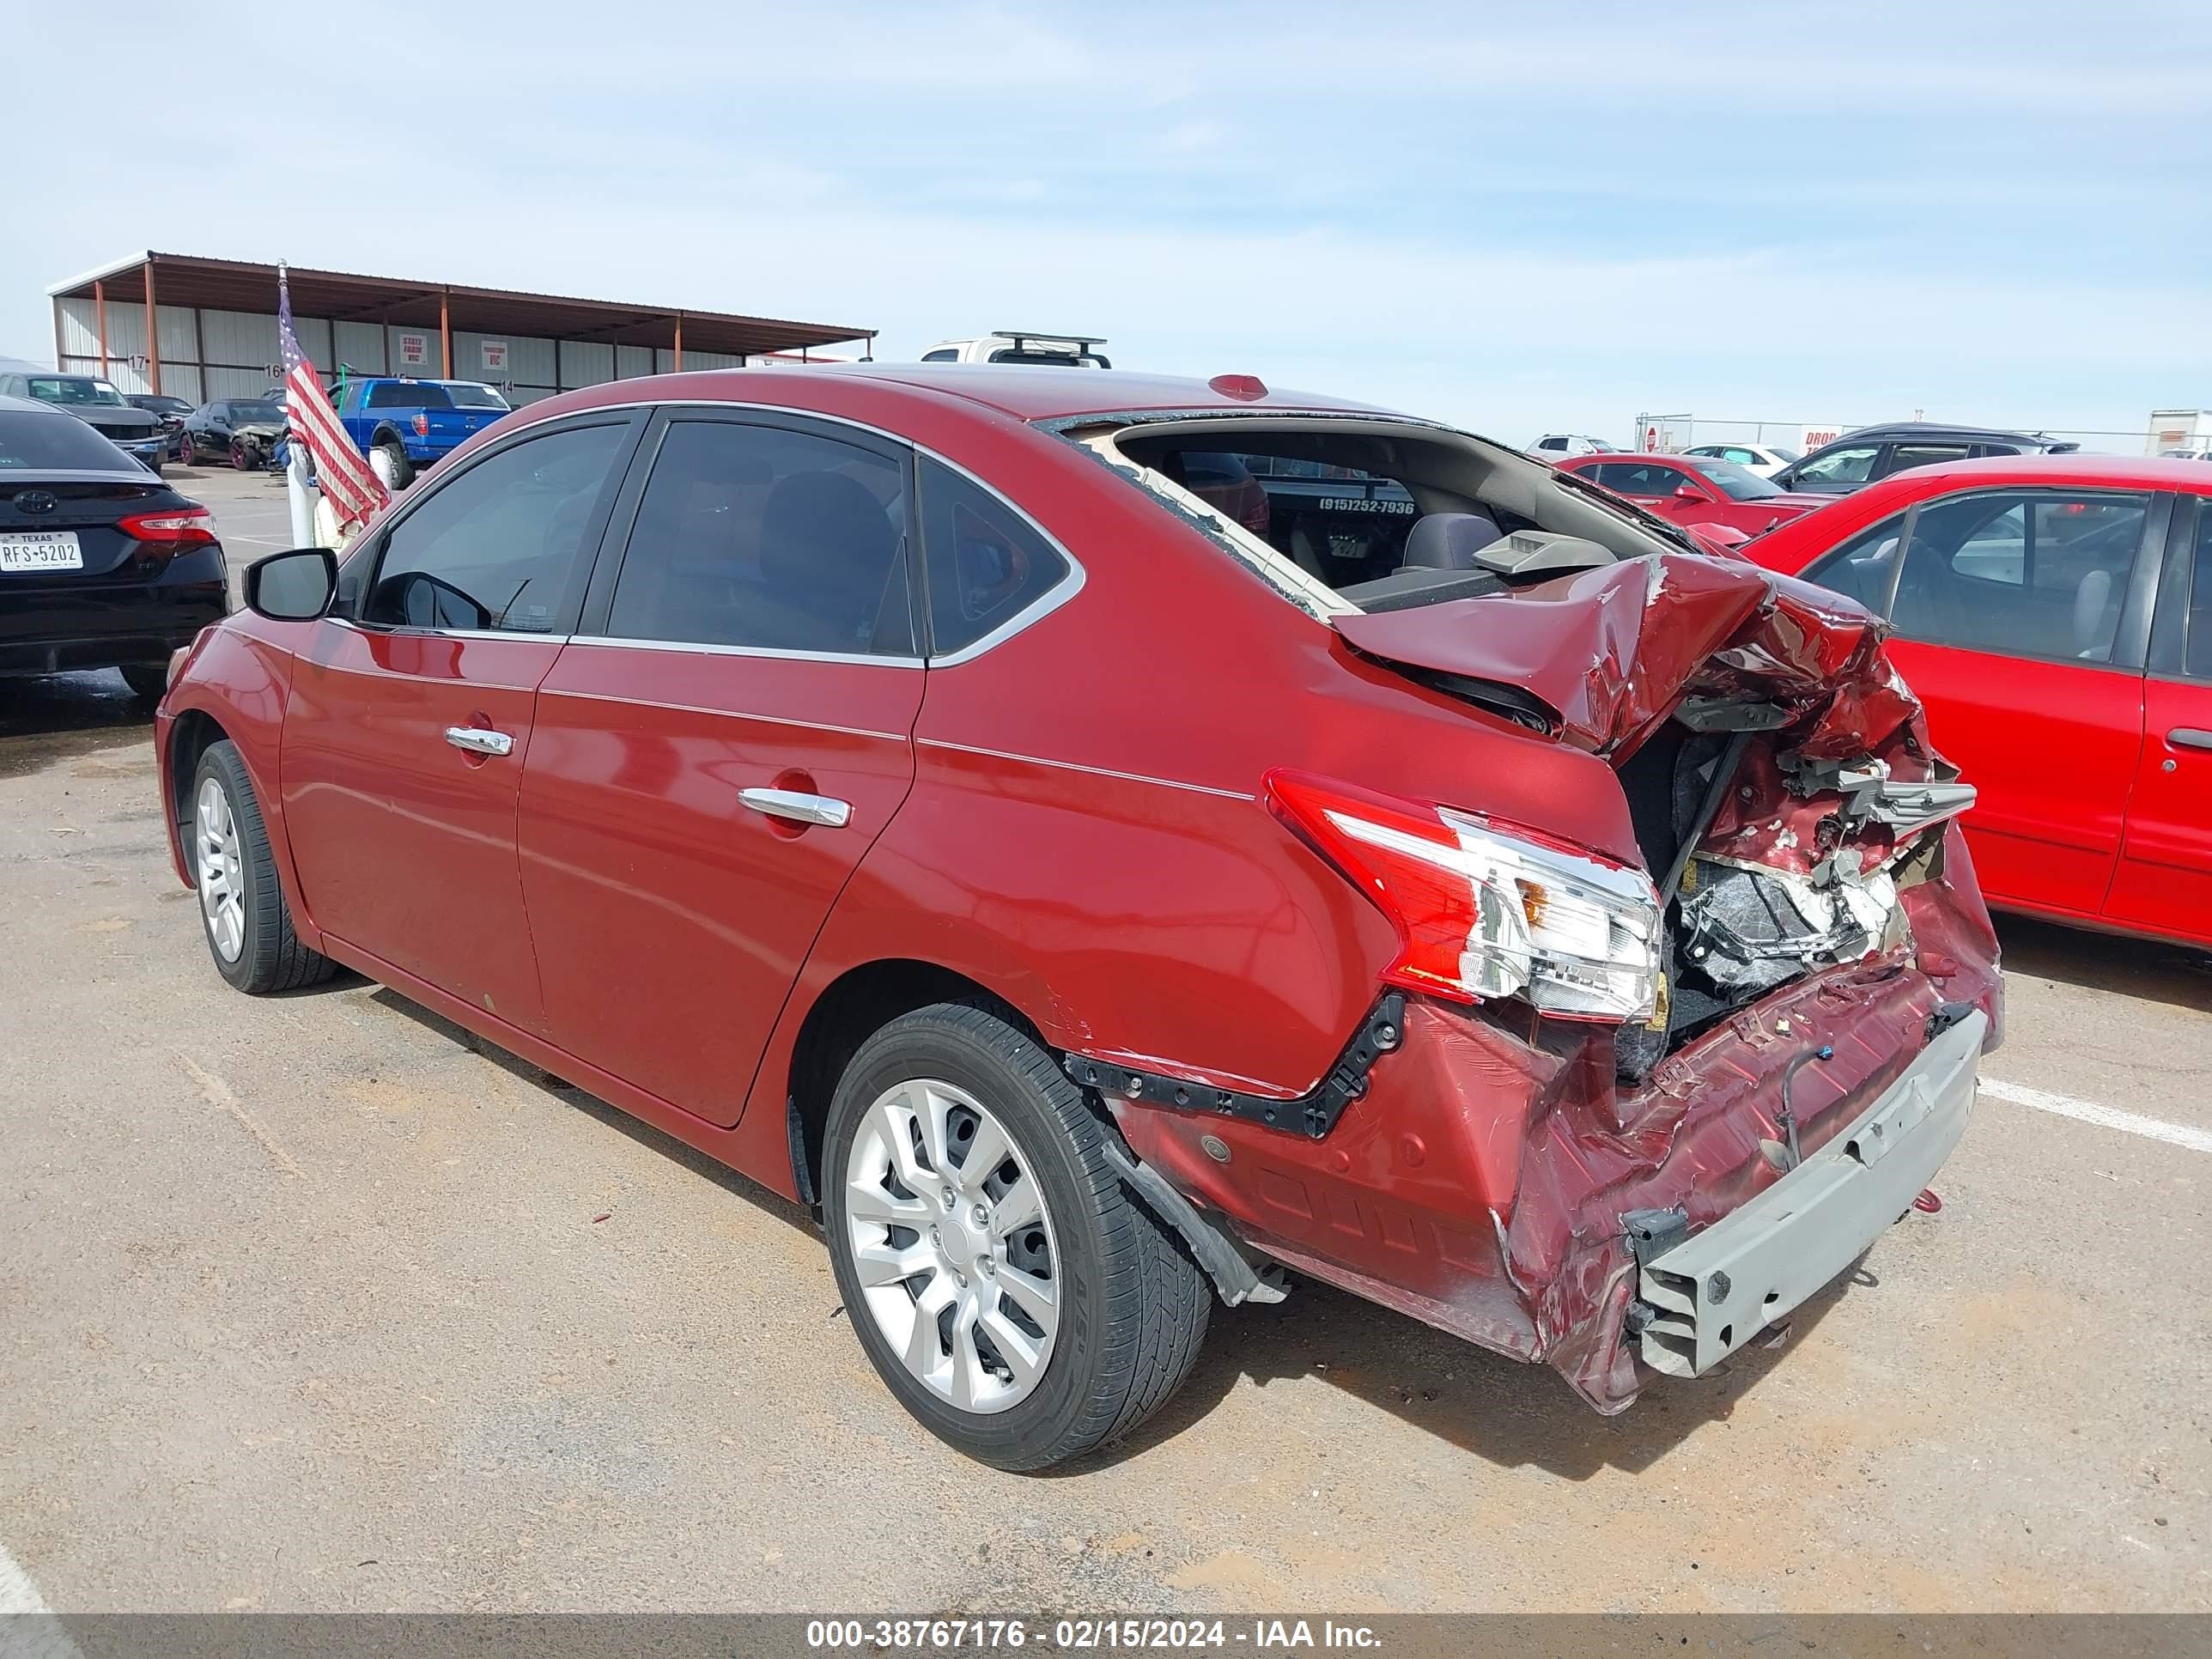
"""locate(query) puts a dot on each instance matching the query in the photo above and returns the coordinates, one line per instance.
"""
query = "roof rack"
(1025, 338)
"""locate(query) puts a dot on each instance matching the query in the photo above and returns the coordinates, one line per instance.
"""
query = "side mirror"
(1688, 493)
(293, 586)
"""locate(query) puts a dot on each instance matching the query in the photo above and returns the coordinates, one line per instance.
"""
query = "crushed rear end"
(1660, 1185)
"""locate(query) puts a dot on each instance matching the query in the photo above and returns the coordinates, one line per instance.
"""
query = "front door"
(718, 747)
(2165, 880)
(411, 714)
(2009, 613)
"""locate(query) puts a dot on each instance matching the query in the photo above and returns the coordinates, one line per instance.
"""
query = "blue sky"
(1519, 222)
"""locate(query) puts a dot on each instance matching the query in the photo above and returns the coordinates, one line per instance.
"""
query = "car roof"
(2122, 471)
(15, 405)
(1042, 391)
(1895, 429)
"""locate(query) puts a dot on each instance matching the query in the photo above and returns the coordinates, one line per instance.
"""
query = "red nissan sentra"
(901, 784)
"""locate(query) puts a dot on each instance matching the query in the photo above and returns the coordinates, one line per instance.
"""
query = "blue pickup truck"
(404, 425)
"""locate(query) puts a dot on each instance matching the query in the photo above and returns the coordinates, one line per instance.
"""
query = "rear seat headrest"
(1448, 541)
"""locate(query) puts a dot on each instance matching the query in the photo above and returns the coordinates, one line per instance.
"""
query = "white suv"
(1558, 445)
(1022, 345)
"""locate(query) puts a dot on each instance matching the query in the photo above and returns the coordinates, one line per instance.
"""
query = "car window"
(1859, 570)
(947, 356)
(1851, 465)
(2198, 665)
(400, 394)
(497, 545)
(467, 395)
(1641, 478)
(2032, 575)
(766, 538)
(37, 440)
(1739, 483)
(987, 563)
(1905, 457)
(1558, 445)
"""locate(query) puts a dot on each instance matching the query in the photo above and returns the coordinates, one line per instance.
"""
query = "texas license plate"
(40, 549)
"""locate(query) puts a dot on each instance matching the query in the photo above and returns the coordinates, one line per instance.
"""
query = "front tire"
(1005, 1285)
(242, 909)
(145, 682)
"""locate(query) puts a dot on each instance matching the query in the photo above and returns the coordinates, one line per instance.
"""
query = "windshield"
(246, 414)
(1738, 483)
(50, 443)
(75, 390)
(465, 396)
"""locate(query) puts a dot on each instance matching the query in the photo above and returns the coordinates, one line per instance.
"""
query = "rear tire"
(1128, 1309)
(144, 682)
(242, 910)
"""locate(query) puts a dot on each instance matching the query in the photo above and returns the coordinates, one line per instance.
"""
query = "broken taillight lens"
(1482, 913)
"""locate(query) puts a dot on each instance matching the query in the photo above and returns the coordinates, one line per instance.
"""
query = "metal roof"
(183, 279)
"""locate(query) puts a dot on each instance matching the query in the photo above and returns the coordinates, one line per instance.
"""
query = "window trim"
(2170, 617)
(354, 591)
(1043, 605)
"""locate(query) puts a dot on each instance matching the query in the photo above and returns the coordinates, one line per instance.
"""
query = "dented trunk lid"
(1605, 656)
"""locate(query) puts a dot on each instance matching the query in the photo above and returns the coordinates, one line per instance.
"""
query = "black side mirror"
(292, 586)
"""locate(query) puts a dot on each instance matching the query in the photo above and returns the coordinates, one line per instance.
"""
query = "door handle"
(798, 808)
(477, 741)
(2188, 737)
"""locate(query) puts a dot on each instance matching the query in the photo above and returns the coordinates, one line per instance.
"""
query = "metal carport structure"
(215, 333)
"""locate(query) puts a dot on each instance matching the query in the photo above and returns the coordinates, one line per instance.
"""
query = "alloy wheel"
(953, 1245)
(221, 879)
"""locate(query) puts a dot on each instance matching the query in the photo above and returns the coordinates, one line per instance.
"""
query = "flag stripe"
(347, 481)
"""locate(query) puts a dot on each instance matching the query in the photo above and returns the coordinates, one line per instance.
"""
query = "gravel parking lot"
(318, 1302)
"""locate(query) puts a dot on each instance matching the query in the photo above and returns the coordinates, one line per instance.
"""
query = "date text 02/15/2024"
(1264, 1636)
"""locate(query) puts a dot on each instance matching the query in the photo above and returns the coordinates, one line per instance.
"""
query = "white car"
(1558, 445)
(1765, 460)
(1022, 345)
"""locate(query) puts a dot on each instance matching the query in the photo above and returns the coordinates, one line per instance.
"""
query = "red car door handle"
(2188, 737)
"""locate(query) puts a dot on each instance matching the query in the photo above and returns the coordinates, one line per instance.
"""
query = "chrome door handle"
(2188, 737)
(798, 808)
(478, 741)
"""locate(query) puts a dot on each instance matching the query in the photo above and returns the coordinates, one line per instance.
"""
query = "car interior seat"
(2096, 616)
(827, 548)
(1448, 541)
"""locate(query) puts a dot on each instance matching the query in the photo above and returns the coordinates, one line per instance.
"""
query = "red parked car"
(2054, 612)
(895, 783)
(1698, 491)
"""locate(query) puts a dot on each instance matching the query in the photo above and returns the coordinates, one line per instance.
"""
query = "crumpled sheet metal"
(1611, 652)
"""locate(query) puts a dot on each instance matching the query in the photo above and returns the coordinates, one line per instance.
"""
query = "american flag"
(353, 491)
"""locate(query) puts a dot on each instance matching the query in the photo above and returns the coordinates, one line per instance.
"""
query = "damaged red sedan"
(904, 786)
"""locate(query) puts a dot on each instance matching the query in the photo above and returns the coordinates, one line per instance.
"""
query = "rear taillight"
(421, 426)
(1481, 912)
(172, 526)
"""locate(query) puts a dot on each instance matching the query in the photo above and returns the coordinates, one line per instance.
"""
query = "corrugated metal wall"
(233, 353)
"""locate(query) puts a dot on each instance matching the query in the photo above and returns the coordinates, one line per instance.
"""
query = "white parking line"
(30, 1638)
(2111, 1117)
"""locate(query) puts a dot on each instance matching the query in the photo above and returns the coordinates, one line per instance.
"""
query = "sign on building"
(414, 350)
(495, 357)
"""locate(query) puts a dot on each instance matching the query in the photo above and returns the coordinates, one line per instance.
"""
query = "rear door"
(2165, 880)
(2021, 619)
(721, 743)
(411, 712)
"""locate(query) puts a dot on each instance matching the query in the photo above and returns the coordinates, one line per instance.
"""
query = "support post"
(99, 324)
(153, 335)
(445, 334)
(679, 343)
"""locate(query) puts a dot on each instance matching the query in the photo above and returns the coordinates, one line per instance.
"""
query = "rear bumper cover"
(1715, 1291)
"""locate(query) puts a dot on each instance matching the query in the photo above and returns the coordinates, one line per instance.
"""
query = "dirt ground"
(317, 1303)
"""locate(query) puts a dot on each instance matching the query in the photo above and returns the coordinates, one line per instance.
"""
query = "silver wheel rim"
(222, 880)
(953, 1245)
